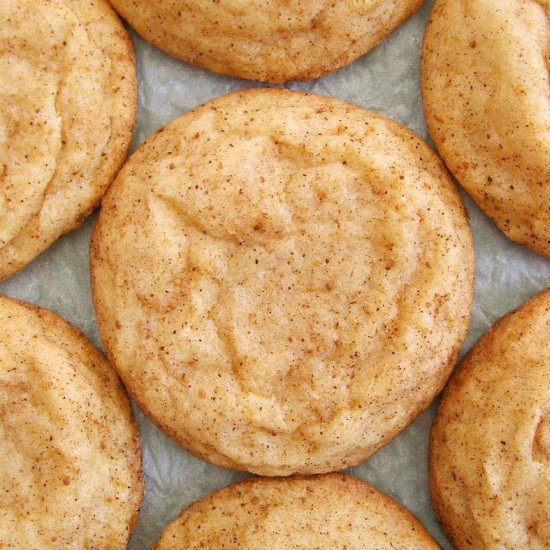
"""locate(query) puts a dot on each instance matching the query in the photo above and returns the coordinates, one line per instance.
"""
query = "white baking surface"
(386, 80)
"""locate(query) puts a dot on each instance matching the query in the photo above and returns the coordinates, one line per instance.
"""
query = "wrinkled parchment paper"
(386, 80)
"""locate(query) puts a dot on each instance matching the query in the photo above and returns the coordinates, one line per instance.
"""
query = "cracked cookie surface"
(62, 144)
(282, 280)
(323, 512)
(485, 85)
(265, 40)
(490, 445)
(70, 466)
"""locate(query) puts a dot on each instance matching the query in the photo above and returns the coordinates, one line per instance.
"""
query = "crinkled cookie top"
(485, 86)
(283, 280)
(323, 512)
(67, 108)
(266, 40)
(70, 465)
(490, 450)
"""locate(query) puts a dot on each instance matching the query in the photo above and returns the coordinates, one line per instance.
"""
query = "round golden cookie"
(485, 85)
(333, 511)
(67, 112)
(282, 280)
(70, 463)
(490, 444)
(266, 40)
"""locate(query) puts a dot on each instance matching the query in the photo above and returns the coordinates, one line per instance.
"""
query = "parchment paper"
(386, 80)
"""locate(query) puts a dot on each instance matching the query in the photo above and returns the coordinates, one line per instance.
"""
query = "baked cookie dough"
(490, 445)
(325, 512)
(485, 85)
(282, 280)
(67, 111)
(266, 40)
(70, 465)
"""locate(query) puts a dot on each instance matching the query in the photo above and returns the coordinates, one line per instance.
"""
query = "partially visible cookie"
(70, 463)
(323, 512)
(266, 40)
(485, 86)
(283, 280)
(67, 112)
(490, 445)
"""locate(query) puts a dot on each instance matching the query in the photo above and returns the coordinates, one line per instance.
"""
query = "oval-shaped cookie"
(485, 86)
(265, 40)
(333, 511)
(67, 112)
(490, 444)
(70, 463)
(282, 280)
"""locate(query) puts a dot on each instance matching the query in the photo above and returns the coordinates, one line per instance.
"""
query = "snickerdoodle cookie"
(485, 84)
(283, 280)
(70, 473)
(323, 512)
(490, 448)
(266, 40)
(67, 110)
